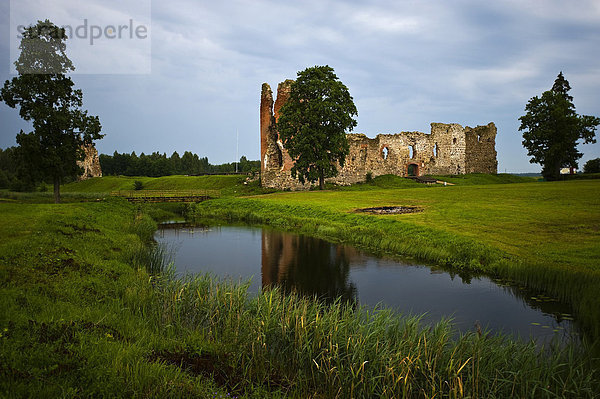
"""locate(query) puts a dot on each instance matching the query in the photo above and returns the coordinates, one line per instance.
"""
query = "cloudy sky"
(196, 79)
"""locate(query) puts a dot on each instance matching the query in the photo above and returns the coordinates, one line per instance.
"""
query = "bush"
(21, 186)
(369, 177)
(4, 180)
(592, 166)
(138, 185)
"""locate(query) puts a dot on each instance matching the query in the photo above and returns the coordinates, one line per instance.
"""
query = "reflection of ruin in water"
(307, 266)
(313, 267)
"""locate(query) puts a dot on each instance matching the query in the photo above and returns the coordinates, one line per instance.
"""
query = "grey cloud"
(407, 63)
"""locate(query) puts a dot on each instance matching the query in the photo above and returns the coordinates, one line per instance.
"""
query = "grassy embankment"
(541, 235)
(81, 316)
(228, 184)
(101, 187)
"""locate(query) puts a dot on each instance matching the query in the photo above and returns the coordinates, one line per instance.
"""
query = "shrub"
(592, 166)
(138, 185)
(4, 180)
(369, 177)
(21, 186)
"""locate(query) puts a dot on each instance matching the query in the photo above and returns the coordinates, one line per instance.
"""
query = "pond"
(311, 266)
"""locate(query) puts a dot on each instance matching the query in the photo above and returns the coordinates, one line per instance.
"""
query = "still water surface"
(315, 267)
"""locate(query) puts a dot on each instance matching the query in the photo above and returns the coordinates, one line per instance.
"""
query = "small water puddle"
(312, 266)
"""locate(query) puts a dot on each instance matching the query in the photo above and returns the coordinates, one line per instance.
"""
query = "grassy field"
(228, 184)
(541, 235)
(83, 316)
(233, 185)
(80, 315)
(394, 182)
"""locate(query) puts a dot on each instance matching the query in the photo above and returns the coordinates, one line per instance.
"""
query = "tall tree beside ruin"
(313, 122)
(552, 129)
(592, 166)
(45, 96)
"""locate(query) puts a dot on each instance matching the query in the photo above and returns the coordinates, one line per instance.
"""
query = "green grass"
(79, 308)
(482, 178)
(46, 197)
(581, 176)
(85, 314)
(228, 184)
(542, 235)
(233, 185)
(393, 181)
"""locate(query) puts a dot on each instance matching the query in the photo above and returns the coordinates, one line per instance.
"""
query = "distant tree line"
(9, 172)
(15, 175)
(157, 164)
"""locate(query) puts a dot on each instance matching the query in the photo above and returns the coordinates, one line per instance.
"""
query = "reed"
(152, 257)
(306, 348)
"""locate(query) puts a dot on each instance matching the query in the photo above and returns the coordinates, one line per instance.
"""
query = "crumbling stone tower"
(90, 164)
(448, 149)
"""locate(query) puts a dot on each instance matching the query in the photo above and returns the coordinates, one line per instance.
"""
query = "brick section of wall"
(266, 120)
(448, 149)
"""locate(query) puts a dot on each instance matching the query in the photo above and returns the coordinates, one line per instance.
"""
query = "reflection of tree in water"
(306, 265)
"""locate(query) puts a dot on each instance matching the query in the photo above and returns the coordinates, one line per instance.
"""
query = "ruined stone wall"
(283, 94)
(480, 151)
(448, 149)
(275, 162)
(90, 164)
(405, 153)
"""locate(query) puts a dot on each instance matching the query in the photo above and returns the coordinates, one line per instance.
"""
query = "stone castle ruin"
(90, 164)
(448, 149)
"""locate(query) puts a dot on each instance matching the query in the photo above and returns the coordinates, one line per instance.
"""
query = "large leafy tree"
(313, 122)
(552, 129)
(46, 97)
(592, 166)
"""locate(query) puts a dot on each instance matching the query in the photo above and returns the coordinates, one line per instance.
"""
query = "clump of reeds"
(152, 257)
(309, 349)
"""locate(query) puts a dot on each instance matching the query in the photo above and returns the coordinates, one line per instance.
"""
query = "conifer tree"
(552, 129)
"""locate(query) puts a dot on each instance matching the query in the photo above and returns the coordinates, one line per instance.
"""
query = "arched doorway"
(412, 169)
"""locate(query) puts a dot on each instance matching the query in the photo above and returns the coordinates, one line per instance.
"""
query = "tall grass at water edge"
(304, 348)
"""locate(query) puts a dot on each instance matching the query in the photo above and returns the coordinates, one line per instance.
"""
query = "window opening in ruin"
(454, 140)
(412, 152)
(384, 152)
(479, 138)
(435, 150)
